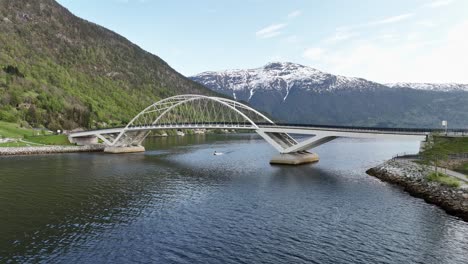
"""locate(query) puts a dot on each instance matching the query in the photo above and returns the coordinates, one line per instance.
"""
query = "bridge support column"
(295, 158)
(121, 150)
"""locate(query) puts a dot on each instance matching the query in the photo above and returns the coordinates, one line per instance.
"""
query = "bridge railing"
(450, 132)
(193, 125)
(362, 128)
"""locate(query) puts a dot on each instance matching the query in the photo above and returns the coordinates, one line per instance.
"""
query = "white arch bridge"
(206, 112)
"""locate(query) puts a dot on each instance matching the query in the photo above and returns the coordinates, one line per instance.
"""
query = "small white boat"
(217, 153)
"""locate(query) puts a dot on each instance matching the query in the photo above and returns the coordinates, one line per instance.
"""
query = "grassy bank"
(443, 179)
(453, 145)
(23, 137)
(13, 130)
(439, 149)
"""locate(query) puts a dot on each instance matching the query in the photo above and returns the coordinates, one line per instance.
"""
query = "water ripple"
(180, 204)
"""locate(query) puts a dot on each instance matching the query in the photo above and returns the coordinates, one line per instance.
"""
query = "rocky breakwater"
(412, 177)
(49, 149)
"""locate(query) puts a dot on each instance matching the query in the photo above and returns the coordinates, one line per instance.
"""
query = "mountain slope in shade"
(61, 71)
(299, 94)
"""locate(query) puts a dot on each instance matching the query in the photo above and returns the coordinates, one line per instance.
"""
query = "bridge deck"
(300, 128)
(379, 130)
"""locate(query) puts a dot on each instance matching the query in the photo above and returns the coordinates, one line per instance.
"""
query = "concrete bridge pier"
(122, 150)
(296, 158)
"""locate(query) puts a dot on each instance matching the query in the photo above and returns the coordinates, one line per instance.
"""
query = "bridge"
(207, 112)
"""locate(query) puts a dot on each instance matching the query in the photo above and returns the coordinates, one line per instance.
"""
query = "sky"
(383, 41)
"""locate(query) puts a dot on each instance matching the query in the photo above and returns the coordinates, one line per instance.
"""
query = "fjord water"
(179, 203)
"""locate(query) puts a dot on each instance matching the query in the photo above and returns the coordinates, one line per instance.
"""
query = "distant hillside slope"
(61, 71)
(299, 94)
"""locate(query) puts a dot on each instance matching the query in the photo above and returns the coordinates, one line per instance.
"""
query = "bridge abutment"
(122, 150)
(296, 158)
(84, 141)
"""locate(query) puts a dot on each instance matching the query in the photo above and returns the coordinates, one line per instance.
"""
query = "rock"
(49, 149)
(413, 181)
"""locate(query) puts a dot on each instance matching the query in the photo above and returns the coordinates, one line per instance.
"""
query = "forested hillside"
(62, 72)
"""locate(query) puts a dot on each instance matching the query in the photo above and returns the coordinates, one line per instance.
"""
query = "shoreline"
(412, 178)
(38, 150)
(57, 149)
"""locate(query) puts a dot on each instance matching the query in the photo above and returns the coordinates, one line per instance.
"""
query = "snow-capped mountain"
(295, 93)
(281, 77)
(439, 87)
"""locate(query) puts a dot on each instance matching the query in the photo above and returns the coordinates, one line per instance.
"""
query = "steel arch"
(154, 113)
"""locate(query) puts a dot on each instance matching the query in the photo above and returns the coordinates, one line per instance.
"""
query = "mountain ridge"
(442, 87)
(284, 73)
(296, 93)
(320, 74)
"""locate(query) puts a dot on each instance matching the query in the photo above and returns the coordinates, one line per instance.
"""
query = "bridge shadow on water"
(305, 175)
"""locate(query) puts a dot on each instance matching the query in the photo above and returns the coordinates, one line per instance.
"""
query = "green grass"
(13, 144)
(49, 140)
(443, 179)
(454, 145)
(12, 130)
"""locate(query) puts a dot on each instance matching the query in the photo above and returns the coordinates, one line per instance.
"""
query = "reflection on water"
(180, 203)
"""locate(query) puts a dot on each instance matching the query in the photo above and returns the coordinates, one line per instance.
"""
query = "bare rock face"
(453, 200)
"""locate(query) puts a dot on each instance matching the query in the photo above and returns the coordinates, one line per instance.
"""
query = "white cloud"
(393, 19)
(295, 13)
(314, 53)
(416, 60)
(270, 31)
(384, 21)
(439, 3)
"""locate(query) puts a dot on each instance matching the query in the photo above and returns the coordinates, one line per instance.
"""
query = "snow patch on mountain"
(282, 77)
(438, 87)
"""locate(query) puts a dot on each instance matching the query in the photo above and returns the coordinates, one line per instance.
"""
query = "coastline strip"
(9, 151)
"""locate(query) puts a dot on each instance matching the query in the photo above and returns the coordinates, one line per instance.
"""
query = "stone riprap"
(49, 149)
(412, 177)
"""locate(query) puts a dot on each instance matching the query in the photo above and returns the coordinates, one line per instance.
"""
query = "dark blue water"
(177, 203)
